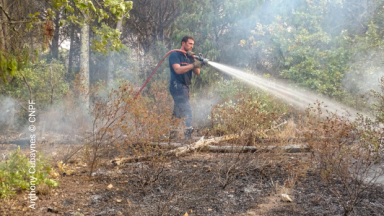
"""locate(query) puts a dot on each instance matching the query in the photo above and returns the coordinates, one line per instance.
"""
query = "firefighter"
(181, 66)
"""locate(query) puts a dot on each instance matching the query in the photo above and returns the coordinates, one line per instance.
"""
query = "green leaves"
(106, 39)
(82, 6)
(301, 50)
(14, 173)
(119, 8)
(12, 66)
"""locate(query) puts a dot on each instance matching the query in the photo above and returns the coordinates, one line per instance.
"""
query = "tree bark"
(2, 39)
(71, 49)
(84, 65)
(55, 39)
(5, 31)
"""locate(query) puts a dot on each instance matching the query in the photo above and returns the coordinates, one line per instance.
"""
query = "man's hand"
(190, 54)
(197, 64)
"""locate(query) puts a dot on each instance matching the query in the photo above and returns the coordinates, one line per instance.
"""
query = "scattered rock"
(286, 198)
(110, 186)
(207, 168)
(96, 197)
(53, 210)
(251, 213)
(99, 172)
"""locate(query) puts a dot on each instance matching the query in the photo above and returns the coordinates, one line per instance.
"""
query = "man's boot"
(174, 134)
(188, 133)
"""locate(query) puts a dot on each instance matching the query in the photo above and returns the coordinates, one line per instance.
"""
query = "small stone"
(96, 197)
(50, 209)
(207, 168)
(251, 213)
(286, 198)
(209, 209)
(110, 186)
(55, 203)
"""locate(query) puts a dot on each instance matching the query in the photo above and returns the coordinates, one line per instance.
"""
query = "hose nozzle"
(200, 58)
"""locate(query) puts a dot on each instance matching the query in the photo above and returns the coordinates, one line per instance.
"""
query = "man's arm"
(181, 70)
(196, 71)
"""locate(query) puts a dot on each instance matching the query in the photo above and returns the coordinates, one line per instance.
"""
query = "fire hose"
(199, 58)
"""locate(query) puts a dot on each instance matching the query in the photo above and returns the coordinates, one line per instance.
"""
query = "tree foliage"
(302, 47)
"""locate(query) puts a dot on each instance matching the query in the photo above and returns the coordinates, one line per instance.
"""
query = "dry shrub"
(247, 116)
(296, 171)
(344, 154)
(43, 189)
(233, 166)
(129, 124)
(287, 130)
(252, 120)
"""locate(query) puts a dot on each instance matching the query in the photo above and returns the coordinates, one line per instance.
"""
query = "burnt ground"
(193, 184)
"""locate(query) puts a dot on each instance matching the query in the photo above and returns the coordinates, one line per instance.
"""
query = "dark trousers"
(182, 107)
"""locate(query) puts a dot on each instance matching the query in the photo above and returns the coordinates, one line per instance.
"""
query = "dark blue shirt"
(181, 59)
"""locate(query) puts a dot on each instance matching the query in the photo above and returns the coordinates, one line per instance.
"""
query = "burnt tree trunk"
(55, 39)
(71, 49)
(5, 31)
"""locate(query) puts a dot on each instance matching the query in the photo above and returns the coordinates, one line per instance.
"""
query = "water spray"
(296, 97)
(198, 58)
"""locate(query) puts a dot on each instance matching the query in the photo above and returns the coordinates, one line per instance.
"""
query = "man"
(182, 65)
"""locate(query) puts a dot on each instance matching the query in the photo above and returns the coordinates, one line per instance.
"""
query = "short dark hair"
(186, 38)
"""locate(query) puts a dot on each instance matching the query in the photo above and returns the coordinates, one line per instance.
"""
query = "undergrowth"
(15, 173)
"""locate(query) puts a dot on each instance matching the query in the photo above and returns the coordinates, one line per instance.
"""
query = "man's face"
(188, 46)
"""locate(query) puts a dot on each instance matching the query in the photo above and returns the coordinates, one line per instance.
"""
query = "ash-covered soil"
(193, 184)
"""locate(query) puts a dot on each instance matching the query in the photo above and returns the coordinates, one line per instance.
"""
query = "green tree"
(88, 13)
(216, 26)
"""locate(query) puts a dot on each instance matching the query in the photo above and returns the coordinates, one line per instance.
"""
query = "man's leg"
(174, 89)
(182, 107)
(187, 113)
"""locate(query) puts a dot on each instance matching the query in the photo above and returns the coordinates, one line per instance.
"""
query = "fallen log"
(175, 152)
(241, 149)
(245, 149)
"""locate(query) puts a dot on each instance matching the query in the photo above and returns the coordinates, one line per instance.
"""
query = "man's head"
(187, 43)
